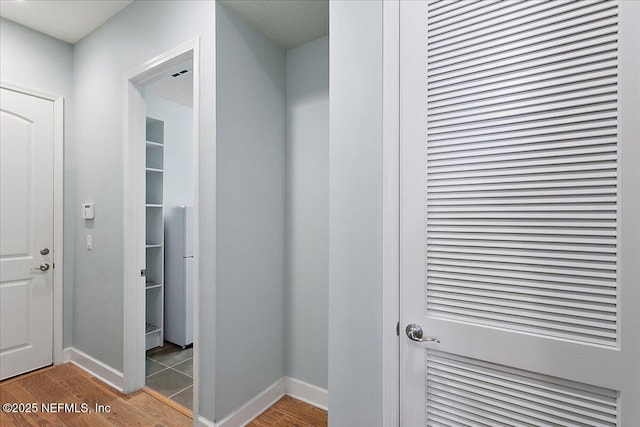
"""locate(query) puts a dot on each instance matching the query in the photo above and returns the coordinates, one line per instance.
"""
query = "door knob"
(42, 267)
(414, 332)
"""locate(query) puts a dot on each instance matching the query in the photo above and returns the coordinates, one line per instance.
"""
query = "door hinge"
(398, 329)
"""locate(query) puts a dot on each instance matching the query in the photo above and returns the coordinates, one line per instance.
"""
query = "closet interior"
(169, 203)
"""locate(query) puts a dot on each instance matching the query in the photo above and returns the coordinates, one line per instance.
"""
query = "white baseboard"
(93, 366)
(311, 394)
(255, 406)
(300, 390)
(203, 422)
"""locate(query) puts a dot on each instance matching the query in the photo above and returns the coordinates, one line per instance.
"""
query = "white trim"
(255, 406)
(58, 229)
(628, 209)
(413, 91)
(30, 91)
(293, 387)
(390, 213)
(134, 298)
(202, 422)
(196, 226)
(58, 211)
(96, 368)
(309, 393)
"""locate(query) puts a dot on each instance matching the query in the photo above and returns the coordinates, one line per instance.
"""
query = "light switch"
(89, 242)
(88, 210)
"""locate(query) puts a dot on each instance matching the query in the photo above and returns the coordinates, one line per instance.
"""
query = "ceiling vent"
(179, 73)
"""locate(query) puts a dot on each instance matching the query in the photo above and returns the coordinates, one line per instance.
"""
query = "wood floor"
(71, 385)
(290, 412)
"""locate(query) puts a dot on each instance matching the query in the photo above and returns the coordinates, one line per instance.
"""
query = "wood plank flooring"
(290, 412)
(69, 384)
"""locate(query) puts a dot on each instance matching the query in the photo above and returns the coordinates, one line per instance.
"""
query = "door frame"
(390, 213)
(133, 217)
(58, 209)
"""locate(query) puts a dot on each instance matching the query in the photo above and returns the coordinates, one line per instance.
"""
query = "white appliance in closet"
(179, 274)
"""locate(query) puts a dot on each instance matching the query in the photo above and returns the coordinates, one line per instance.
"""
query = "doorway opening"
(169, 234)
(161, 224)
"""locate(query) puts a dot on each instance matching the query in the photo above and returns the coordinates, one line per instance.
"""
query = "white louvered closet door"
(520, 213)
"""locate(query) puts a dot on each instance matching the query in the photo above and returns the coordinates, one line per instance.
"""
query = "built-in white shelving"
(154, 246)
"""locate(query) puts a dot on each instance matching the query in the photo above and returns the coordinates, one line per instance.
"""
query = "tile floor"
(169, 371)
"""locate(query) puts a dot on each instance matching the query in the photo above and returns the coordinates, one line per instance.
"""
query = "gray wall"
(250, 216)
(140, 32)
(37, 61)
(307, 213)
(177, 183)
(355, 218)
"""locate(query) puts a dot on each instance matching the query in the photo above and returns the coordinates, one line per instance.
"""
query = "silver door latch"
(42, 267)
(415, 333)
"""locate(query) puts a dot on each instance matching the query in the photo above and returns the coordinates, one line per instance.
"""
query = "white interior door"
(520, 211)
(26, 233)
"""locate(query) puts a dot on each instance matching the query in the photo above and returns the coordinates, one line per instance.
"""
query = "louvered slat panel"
(508, 103)
(468, 8)
(542, 296)
(550, 186)
(544, 181)
(501, 138)
(540, 32)
(461, 279)
(522, 182)
(532, 13)
(535, 39)
(482, 256)
(465, 391)
(546, 253)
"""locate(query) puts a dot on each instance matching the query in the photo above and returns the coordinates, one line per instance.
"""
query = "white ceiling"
(175, 89)
(68, 20)
(288, 23)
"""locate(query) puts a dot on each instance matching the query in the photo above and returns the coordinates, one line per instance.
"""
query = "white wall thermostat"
(88, 210)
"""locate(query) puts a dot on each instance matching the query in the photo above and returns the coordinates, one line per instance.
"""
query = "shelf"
(152, 285)
(154, 233)
(155, 130)
(150, 329)
(154, 187)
